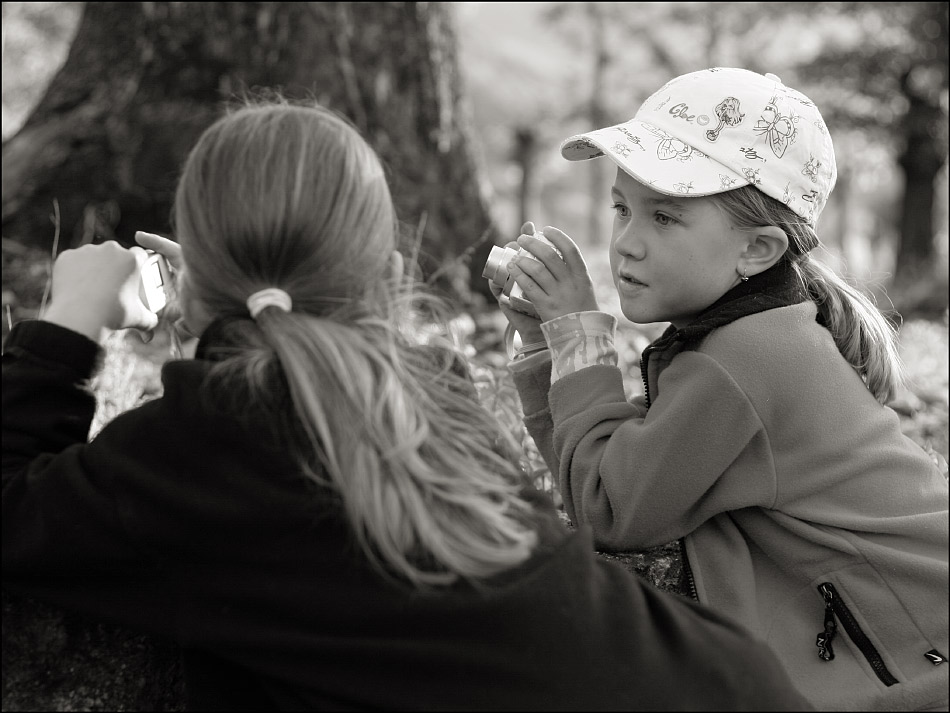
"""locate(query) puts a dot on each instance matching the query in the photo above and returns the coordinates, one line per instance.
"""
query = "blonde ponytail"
(291, 197)
(862, 333)
(426, 490)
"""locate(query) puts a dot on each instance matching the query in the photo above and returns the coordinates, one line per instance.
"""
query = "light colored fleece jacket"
(765, 451)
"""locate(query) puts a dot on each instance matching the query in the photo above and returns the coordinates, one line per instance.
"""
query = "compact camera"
(155, 284)
(496, 270)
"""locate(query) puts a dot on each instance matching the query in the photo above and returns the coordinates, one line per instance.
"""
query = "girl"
(762, 438)
(318, 509)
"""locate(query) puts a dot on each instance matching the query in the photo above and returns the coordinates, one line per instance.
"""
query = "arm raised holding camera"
(100, 288)
(549, 275)
(96, 289)
(557, 281)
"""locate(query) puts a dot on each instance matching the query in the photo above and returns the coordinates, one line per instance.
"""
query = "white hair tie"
(270, 297)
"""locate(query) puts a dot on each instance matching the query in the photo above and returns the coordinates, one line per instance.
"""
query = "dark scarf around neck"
(779, 286)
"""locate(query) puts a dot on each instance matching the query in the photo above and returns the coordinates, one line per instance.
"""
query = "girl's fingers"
(141, 318)
(169, 249)
(529, 274)
(571, 254)
(543, 252)
(140, 254)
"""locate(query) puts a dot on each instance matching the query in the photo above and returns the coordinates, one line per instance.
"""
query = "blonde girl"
(762, 440)
(317, 509)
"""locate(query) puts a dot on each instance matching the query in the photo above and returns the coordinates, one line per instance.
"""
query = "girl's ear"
(766, 246)
(193, 312)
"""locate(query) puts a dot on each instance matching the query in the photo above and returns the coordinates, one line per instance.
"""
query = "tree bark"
(144, 79)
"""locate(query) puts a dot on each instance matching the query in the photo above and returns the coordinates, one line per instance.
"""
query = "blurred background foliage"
(535, 73)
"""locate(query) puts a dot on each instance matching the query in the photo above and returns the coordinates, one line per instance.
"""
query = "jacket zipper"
(835, 607)
(688, 572)
(644, 357)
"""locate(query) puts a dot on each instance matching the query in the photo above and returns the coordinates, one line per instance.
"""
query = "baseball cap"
(718, 129)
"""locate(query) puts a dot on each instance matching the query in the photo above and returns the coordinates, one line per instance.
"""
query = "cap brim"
(655, 158)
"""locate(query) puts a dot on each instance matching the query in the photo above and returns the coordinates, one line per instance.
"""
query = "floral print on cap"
(719, 129)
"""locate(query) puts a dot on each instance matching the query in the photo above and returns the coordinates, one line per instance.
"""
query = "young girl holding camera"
(762, 439)
(317, 509)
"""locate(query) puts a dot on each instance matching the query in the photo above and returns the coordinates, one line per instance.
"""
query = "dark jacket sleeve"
(63, 537)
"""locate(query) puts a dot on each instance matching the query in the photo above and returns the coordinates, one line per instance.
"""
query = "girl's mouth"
(630, 281)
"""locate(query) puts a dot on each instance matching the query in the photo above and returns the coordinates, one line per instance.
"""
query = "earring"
(743, 276)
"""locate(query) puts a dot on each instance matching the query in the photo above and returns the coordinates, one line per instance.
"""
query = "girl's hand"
(168, 249)
(95, 289)
(554, 285)
(528, 327)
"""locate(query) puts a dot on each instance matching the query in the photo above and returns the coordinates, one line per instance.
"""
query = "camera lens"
(496, 266)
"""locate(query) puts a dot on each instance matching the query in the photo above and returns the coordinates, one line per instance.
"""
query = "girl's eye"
(621, 209)
(664, 220)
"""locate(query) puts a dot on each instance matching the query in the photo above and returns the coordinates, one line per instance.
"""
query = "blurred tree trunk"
(924, 153)
(921, 161)
(144, 79)
(525, 156)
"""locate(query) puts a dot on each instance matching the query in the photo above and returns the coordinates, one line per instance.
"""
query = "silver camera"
(496, 270)
(155, 284)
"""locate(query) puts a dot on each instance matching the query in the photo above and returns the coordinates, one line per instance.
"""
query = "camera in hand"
(155, 283)
(496, 270)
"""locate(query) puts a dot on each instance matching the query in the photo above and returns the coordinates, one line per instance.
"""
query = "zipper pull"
(825, 650)
(935, 657)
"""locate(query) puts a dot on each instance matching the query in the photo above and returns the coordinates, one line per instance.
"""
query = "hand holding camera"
(103, 287)
(497, 271)
(97, 288)
(543, 275)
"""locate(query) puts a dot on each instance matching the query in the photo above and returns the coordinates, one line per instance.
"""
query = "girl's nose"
(628, 245)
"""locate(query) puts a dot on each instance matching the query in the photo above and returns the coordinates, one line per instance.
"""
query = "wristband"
(528, 349)
(525, 349)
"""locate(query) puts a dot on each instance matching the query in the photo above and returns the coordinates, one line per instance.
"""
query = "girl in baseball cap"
(762, 439)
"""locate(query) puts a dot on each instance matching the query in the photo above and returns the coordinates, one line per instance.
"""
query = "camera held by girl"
(762, 440)
(318, 509)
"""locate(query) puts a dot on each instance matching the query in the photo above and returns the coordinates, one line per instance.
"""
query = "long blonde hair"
(290, 196)
(863, 335)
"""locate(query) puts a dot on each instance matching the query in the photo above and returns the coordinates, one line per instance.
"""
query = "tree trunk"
(525, 156)
(921, 165)
(144, 79)
(925, 152)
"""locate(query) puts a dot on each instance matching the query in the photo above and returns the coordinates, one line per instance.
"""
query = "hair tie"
(270, 297)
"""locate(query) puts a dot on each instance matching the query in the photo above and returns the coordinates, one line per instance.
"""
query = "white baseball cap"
(711, 131)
